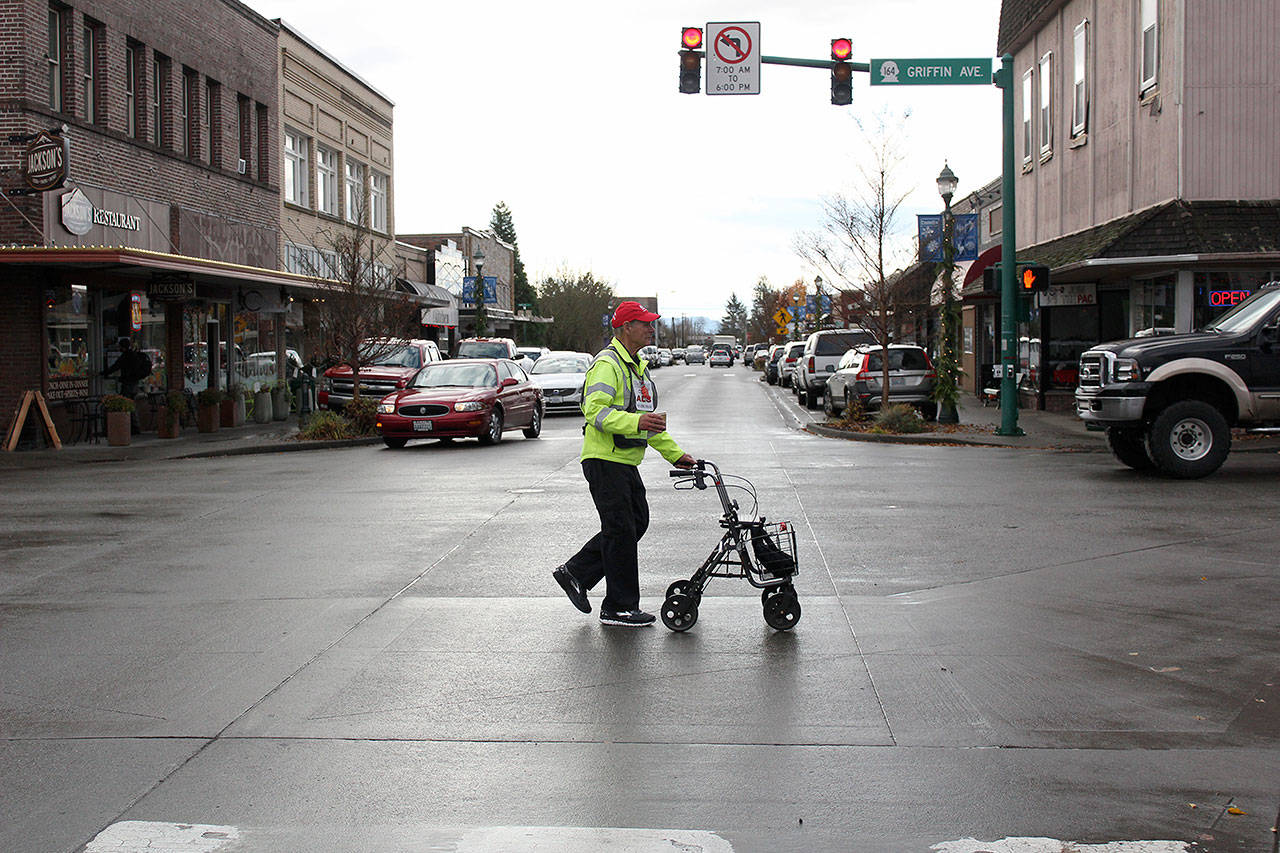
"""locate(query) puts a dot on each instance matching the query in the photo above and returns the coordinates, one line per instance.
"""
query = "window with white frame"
(89, 43)
(54, 55)
(1028, 139)
(355, 191)
(1046, 104)
(309, 261)
(158, 67)
(1080, 83)
(131, 90)
(378, 201)
(327, 180)
(1150, 44)
(295, 168)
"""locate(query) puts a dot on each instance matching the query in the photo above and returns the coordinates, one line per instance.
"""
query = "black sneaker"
(572, 588)
(626, 618)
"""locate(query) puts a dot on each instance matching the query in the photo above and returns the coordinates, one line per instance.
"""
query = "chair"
(88, 420)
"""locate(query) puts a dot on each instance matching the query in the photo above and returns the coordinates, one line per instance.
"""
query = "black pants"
(618, 493)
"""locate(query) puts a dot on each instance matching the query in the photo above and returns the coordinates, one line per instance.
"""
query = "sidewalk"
(275, 437)
(1061, 431)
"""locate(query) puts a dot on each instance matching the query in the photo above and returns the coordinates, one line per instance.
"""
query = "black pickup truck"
(1169, 403)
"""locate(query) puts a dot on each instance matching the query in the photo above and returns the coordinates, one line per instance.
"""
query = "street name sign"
(931, 72)
(733, 58)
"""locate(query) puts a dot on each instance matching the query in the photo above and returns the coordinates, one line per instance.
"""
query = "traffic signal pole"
(1008, 263)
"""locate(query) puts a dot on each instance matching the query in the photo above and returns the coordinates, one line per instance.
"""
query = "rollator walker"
(762, 552)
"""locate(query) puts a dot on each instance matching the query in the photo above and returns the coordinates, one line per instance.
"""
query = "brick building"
(165, 226)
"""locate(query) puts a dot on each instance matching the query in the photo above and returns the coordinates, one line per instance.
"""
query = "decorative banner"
(964, 237)
(490, 290)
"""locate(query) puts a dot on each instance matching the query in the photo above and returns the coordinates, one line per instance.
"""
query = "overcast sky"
(570, 113)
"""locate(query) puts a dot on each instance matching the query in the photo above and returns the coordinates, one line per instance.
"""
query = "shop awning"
(1175, 235)
(428, 295)
(143, 265)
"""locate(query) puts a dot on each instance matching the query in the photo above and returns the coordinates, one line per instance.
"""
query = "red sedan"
(463, 398)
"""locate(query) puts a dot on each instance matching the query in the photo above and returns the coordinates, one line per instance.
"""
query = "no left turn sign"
(733, 62)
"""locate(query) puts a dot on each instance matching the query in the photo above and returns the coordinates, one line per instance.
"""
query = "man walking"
(619, 402)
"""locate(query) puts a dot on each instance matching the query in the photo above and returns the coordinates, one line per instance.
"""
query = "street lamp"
(477, 293)
(817, 286)
(948, 368)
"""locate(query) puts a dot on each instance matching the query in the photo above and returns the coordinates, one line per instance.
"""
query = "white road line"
(572, 839)
(147, 835)
(1053, 845)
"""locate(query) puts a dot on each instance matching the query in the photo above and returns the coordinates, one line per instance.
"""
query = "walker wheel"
(770, 591)
(679, 612)
(782, 611)
(679, 588)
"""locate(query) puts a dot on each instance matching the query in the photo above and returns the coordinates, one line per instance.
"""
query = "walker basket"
(774, 546)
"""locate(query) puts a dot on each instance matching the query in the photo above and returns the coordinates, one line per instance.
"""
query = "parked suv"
(390, 371)
(822, 352)
(859, 379)
(488, 348)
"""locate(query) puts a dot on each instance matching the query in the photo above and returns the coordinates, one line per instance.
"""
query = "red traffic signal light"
(841, 72)
(691, 38)
(841, 49)
(1033, 278)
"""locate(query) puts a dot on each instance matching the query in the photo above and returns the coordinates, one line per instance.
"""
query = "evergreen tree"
(504, 227)
(578, 301)
(761, 326)
(734, 321)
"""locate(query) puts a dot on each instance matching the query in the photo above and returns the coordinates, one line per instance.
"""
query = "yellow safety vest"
(615, 391)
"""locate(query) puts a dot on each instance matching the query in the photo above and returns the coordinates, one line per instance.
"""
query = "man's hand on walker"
(685, 461)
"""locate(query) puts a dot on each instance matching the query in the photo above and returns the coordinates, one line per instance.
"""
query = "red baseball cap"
(628, 311)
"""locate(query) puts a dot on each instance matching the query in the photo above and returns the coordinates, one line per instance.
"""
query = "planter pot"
(280, 404)
(240, 415)
(118, 429)
(262, 407)
(227, 413)
(164, 427)
(208, 418)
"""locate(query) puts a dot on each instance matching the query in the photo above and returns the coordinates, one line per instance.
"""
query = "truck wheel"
(1189, 439)
(1130, 446)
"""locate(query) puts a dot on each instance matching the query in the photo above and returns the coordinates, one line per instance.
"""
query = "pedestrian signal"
(1033, 278)
(841, 72)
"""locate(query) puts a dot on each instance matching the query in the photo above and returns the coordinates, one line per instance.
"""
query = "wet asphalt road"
(362, 649)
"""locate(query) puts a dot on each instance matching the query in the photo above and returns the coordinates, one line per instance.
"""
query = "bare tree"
(858, 242)
(362, 314)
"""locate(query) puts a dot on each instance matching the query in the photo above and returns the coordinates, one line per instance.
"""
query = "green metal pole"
(1008, 263)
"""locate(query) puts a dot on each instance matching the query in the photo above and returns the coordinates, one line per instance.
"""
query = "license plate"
(897, 381)
(422, 426)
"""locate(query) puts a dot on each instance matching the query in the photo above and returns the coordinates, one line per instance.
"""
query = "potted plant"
(208, 402)
(232, 407)
(280, 401)
(119, 411)
(172, 413)
(262, 403)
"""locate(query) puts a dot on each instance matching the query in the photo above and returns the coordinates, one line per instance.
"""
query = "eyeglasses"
(649, 323)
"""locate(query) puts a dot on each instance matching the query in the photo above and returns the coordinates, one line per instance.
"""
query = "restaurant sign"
(170, 288)
(45, 161)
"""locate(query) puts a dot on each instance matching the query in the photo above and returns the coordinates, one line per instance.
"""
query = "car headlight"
(1127, 370)
(326, 384)
(386, 408)
(473, 406)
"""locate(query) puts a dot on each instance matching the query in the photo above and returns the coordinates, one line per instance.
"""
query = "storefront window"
(1071, 331)
(196, 323)
(1217, 292)
(1153, 306)
(133, 316)
(255, 339)
(67, 327)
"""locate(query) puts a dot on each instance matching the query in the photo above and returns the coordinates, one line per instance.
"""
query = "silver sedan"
(560, 375)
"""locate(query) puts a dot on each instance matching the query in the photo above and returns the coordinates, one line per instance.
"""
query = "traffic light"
(1033, 278)
(690, 61)
(841, 72)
